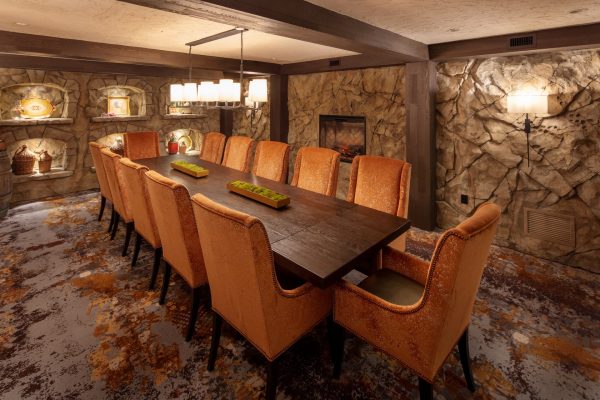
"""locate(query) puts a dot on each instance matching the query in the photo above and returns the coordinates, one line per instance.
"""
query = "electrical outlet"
(464, 199)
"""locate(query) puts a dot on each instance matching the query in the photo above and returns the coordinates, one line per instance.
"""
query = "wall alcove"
(137, 95)
(12, 97)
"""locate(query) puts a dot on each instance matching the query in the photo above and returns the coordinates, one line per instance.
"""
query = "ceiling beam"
(301, 20)
(338, 64)
(99, 67)
(45, 46)
(567, 38)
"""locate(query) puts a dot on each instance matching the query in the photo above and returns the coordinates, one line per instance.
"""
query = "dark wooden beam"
(278, 96)
(298, 19)
(420, 87)
(226, 121)
(567, 38)
(45, 46)
(97, 67)
(338, 64)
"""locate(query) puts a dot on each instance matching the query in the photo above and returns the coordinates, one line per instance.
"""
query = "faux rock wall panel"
(375, 93)
(85, 102)
(257, 124)
(482, 149)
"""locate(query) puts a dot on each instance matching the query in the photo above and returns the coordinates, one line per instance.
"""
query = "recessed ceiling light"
(21, 23)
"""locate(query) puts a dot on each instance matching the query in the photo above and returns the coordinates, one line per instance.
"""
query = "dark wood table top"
(317, 238)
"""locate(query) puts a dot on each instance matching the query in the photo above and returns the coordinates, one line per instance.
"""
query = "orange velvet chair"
(172, 208)
(141, 211)
(138, 145)
(271, 160)
(212, 147)
(383, 184)
(316, 169)
(417, 311)
(237, 153)
(102, 180)
(117, 185)
(245, 290)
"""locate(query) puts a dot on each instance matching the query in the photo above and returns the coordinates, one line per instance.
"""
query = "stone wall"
(84, 102)
(375, 93)
(255, 124)
(482, 149)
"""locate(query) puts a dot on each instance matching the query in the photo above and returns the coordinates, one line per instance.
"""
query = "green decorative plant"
(190, 166)
(262, 191)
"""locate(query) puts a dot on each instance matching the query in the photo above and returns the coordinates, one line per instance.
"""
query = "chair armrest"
(405, 264)
(369, 299)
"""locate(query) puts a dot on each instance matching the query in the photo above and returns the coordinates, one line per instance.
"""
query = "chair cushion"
(393, 287)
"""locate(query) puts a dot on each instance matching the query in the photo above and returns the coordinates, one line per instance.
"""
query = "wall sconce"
(527, 104)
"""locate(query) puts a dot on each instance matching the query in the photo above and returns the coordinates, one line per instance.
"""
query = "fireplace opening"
(344, 134)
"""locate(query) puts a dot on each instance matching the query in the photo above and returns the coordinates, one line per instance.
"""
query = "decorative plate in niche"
(35, 108)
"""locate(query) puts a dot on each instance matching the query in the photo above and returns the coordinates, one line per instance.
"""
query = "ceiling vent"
(522, 42)
(552, 227)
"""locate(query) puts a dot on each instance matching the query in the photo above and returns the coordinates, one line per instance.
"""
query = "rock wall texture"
(83, 101)
(253, 124)
(375, 93)
(482, 148)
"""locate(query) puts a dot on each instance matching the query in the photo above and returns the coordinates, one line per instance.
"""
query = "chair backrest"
(212, 147)
(172, 208)
(100, 171)
(271, 160)
(237, 153)
(454, 276)
(316, 169)
(380, 183)
(241, 275)
(139, 201)
(116, 182)
(138, 145)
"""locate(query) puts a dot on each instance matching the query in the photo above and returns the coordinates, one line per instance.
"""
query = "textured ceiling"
(434, 21)
(109, 21)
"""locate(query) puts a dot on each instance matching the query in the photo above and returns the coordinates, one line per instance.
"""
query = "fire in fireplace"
(344, 134)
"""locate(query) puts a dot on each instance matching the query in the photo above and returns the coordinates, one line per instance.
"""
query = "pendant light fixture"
(226, 94)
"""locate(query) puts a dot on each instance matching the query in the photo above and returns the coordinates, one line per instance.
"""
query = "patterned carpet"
(78, 323)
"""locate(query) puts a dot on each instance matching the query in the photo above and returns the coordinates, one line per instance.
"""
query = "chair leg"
(425, 390)
(136, 249)
(337, 337)
(214, 342)
(115, 226)
(128, 233)
(165, 284)
(194, 313)
(102, 205)
(112, 219)
(465, 359)
(271, 390)
(155, 267)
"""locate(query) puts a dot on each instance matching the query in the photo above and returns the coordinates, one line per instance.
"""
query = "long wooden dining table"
(316, 238)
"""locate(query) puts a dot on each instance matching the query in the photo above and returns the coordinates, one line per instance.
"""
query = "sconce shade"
(527, 104)
(176, 92)
(208, 91)
(258, 90)
(190, 92)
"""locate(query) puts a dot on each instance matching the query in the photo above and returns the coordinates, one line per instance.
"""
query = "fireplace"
(346, 135)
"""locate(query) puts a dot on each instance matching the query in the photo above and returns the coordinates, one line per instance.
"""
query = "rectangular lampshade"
(229, 91)
(258, 90)
(176, 92)
(527, 104)
(208, 91)
(190, 92)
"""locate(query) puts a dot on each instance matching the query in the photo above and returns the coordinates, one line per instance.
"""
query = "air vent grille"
(334, 63)
(549, 226)
(522, 41)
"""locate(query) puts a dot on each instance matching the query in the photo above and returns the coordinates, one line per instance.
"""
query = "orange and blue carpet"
(77, 322)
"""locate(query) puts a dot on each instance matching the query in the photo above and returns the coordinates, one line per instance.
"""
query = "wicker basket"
(45, 162)
(23, 161)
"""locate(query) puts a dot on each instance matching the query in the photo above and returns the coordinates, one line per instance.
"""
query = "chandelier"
(226, 94)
